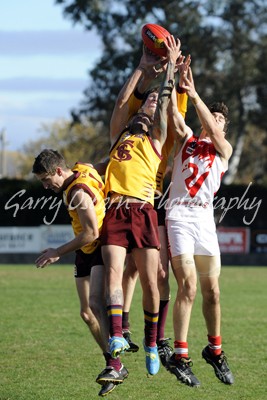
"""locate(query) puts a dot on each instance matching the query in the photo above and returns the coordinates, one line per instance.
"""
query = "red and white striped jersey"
(196, 177)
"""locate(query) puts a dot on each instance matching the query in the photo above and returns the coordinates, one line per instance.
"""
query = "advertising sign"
(55, 235)
(234, 240)
(33, 239)
(19, 240)
(259, 241)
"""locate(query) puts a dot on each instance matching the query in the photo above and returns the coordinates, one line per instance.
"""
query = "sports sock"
(215, 345)
(125, 321)
(112, 362)
(180, 349)
(115, 319)
(163, 311)
(151, 323)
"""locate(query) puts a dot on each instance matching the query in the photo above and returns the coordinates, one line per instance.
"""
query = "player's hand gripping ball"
(154, 37)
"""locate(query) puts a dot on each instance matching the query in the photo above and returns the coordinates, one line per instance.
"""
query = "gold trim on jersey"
(88, 179)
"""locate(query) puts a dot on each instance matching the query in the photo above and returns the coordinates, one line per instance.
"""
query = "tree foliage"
(228, 45)
(76, 142)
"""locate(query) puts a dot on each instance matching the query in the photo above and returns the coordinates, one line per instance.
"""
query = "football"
(153, 37)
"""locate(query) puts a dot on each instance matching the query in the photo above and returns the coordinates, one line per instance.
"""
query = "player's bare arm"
(160, 121)
(207, 121)
(120, 113)
(84, 206)
(176, 123)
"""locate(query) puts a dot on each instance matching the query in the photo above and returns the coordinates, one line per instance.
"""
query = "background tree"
(227, 42)
(85, 142)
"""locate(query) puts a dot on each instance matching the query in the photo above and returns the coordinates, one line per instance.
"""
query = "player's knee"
(212, 296)
(216, 296)
(84, 316)
(87, 316)
(188, 291)
(150, 289)
(191, 294)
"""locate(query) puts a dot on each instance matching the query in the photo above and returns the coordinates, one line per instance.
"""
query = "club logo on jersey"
(191, 147)
(123, 151)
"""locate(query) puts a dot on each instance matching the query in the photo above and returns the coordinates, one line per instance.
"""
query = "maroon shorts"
(85, 262)
(133, 225)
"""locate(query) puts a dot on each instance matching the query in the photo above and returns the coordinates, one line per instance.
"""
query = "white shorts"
(193, 238)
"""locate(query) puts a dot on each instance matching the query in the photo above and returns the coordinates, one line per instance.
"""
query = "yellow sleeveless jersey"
(133, 167)
(86, 178)
(134, 104)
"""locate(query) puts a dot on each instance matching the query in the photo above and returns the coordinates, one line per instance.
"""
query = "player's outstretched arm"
(206, 119)
(166, 89)
(120, 113)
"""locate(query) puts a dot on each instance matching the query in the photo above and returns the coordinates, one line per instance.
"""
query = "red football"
(154, 37)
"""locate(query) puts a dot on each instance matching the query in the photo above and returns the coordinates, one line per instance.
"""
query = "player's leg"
(93, 317)
(92, 296)
(83, 289)
(130, 276)
(209, 270)
(181, 239)
(114, 257)
(182, 245)
(97, 299)
(147, 265)
(184, 271)
(164, 349)
(179, 363)
(114, 373)
(145, 250)
(147, 260)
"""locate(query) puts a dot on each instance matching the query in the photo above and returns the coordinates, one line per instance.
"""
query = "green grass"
(47, 353)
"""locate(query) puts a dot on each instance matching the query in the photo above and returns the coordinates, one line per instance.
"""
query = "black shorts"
(85, 262)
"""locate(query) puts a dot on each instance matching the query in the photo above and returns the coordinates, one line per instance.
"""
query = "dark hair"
(220, 108)
(154, 89)
(48, 161)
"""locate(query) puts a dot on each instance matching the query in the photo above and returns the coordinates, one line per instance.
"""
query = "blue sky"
(44, 63)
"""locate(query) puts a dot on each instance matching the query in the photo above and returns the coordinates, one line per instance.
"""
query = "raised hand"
(173, 48)
(183, 64)
(186, 82)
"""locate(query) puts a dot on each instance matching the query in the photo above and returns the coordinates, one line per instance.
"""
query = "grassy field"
(47, 353)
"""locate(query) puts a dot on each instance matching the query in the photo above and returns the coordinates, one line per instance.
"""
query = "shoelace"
(153, 356)
(165, 344)
(187, 362)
